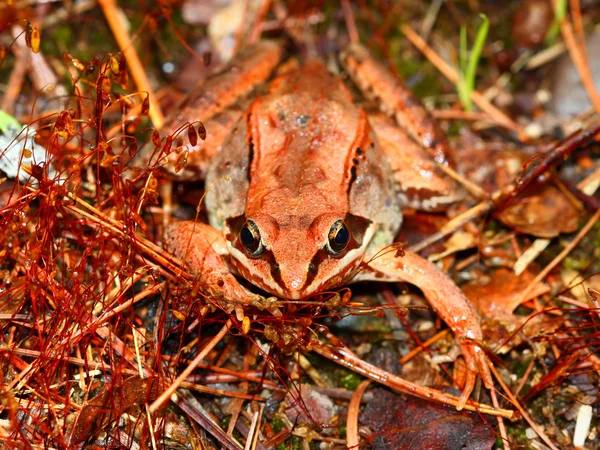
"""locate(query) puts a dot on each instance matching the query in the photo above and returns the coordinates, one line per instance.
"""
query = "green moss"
(278, 424)
(428, 81)
(61, 37)
(291, 444)
(350, 380)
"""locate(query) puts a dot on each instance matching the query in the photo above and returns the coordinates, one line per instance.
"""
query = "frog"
(305, 186)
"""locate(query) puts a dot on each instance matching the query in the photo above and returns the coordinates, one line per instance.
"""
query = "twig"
(501, 426)
(253, 433)
(579, 30)
(449, 72)
(522, 410)
(461, 115)
(473, 189)
(430, 18)
(540, 276)
(579, 59)
(415, 351)
(543, 57)
(115, 18)
(344, 357)
(350, 23)
(257, 28)
(352, 436)
(189, 369)
(16, 79)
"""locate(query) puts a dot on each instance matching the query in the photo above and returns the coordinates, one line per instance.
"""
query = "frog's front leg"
(378, 83)
(203, 250)
(445, 298)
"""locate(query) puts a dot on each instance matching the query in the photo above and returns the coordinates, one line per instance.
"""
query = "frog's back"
(308, 150)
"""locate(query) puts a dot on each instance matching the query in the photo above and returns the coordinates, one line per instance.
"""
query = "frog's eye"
(250, 239)
(338, 238)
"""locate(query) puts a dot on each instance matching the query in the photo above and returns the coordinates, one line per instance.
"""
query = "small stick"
(415, 351)
(545, 56)
(430, 18)
(352, 436)
(461, 115)
(579, 59)
(540, 276)
(473, 189)
(257, 28)
(344, 357)
(189, 369)
(114, 16)
(16, 79)
(522, 410)
(501, 426)
(579, 30)
(450, 73)
(350, 23)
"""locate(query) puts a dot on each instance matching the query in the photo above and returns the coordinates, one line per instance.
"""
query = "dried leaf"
(502, 292)
(544, 212)
(409, 423)
(109, 404)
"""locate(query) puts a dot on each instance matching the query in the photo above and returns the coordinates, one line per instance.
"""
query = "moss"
(278, 424)
(350, 380)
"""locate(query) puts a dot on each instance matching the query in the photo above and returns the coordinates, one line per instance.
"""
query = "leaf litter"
(97, 320)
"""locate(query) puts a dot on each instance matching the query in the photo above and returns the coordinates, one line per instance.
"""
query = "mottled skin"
(300, 161)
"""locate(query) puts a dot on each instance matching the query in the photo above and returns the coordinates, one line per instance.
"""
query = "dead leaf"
(501, 293)
(409, 423)
(109, 404)
(497, 297)
(543, 212)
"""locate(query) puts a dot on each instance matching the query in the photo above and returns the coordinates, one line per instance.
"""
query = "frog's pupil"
(339, 236)
(250, 237)
(342, 236)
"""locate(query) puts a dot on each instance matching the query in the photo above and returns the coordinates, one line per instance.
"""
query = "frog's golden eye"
(250, 239)
(338, 238)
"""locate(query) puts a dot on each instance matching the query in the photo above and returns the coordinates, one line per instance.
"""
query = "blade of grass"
(468, 69)
(560, 12)
(462, 59)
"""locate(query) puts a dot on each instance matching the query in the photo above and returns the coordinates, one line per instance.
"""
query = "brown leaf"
(543, 212)
(109, 404)
(496, 298)
(501, 293)
(409, 423)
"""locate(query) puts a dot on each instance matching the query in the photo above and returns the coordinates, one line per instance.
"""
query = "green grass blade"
(560, 12)
(468, 75)
(6, 121)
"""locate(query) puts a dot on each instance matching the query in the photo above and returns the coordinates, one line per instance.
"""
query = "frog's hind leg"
(187, 162)
(446, 299)
(421, 184)
(218, 102)
(378, 83)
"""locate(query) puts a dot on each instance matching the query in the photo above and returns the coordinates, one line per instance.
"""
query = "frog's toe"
(467, 389)
(477, 364)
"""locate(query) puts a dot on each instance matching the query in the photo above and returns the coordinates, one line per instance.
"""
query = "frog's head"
(295, 256)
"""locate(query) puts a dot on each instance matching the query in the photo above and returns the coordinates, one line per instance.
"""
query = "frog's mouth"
(298, 266)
